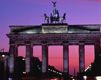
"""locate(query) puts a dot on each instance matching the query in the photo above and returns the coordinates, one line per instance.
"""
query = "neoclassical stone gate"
(53, 34)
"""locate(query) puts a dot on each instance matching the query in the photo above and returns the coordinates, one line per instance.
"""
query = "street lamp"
(85, 77)
(3, 55)
(98, 78)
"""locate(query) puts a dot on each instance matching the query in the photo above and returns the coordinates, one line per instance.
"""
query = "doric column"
(29, 55)
(66, 58)
(81, 57)
(97, 48)
(13, 53)
(44, 57)
(5, 62)
(13, 49)
(16, 51)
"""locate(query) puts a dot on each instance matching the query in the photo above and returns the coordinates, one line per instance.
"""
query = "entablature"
(57, 39)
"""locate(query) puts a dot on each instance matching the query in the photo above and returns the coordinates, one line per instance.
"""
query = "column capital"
(44, 42)
(27, 42)
(13, 44)
(81, 42)
(65, 43)
(97, 43)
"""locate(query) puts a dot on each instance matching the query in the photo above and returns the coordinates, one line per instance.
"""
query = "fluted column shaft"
(81, 57)
(44, 58)
(29, 55)
(97, 48)
(65, 58)
(13, 50)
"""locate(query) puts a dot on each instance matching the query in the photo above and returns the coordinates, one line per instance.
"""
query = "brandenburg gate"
(53, 32)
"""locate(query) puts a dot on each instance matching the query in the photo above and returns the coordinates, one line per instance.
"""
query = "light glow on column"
(98, 78)
(85, 77)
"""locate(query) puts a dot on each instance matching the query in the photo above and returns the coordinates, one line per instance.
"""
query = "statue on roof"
(63, 18)
(54, 3)
(46, 18)
(54, 16)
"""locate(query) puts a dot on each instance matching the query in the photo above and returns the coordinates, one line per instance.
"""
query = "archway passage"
(22, 51)
(73, 58)
(56, 57)
(37, 52)
(89, 55)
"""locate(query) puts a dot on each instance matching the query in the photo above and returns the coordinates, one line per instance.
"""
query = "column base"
(44, 75)
(66, 76)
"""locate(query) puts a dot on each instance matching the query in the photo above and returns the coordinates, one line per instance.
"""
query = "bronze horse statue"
(54, 18)
(46, 18)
